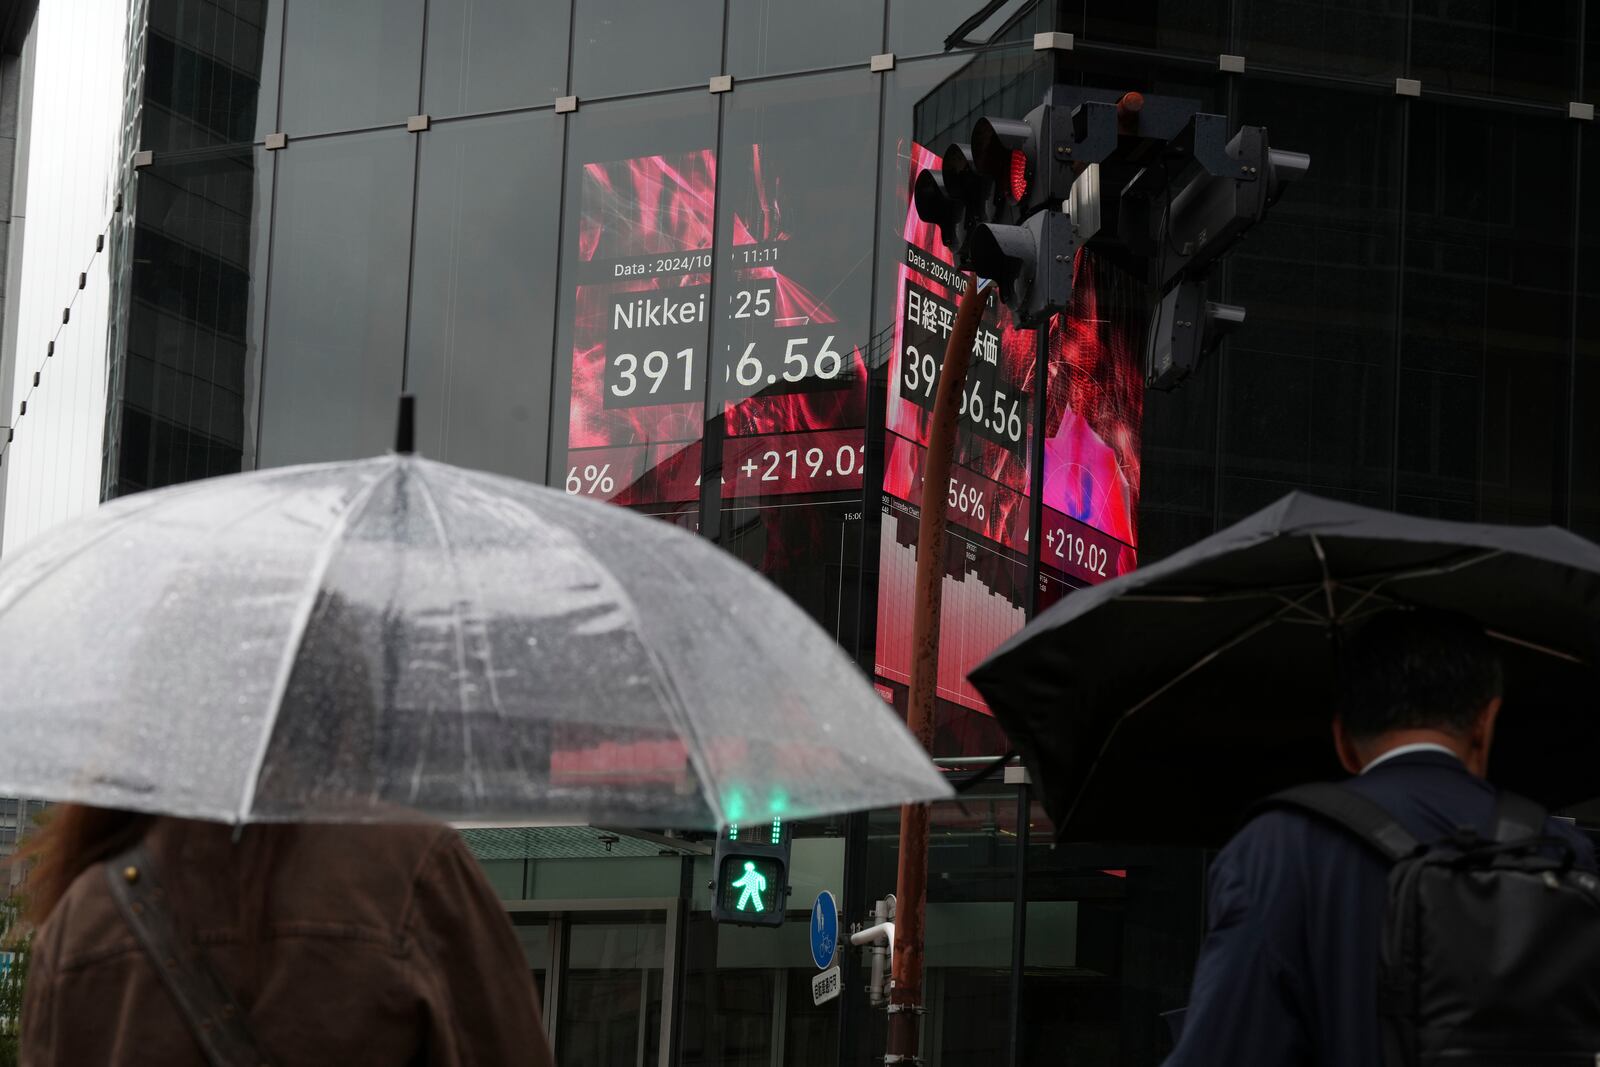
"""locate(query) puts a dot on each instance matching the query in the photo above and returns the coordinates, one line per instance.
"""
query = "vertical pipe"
(1019, 923)
(911, 891)
(1041, 400)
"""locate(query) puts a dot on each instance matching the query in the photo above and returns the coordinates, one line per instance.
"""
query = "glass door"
(608, 1003)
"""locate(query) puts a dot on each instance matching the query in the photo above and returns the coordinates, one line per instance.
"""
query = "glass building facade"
(661, 254)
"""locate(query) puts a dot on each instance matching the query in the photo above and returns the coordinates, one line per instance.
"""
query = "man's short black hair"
(1410, 669)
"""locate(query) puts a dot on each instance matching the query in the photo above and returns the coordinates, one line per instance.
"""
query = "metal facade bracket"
(1230, 64)
(418, 123)
(1577, 109)
(883, 61)
(1407, 87)
(722, 83)
(566, 104)
(1053, 40)
(274, 141)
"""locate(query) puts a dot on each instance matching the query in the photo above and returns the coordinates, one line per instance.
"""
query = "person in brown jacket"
(339, 944)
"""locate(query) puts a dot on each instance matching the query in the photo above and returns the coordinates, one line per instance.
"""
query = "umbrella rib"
(1533, 646)
(297, 633)
(1436, 571)
(1244, 635)
(1328, 584)
(111, 526)
(437, 518)
(1222, 598)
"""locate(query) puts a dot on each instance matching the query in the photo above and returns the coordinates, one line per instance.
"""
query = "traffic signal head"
(955, 199)
(1185, 328)
(1004, 151)
(750, 881)
(1031, 264)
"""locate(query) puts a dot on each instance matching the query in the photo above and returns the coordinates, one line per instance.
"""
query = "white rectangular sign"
(825, 986)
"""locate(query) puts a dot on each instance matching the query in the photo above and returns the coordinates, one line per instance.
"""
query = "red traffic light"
(1002, 150)
(1019, 175)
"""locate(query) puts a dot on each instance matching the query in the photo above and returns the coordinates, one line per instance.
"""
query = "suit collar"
(1427, 758)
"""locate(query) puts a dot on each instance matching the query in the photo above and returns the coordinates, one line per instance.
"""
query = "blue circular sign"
(824, 929)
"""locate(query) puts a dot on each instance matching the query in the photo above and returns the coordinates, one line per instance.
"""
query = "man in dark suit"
(1288, 972)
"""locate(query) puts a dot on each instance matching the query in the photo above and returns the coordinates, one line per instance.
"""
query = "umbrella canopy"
(1158, 705)
(362, 640)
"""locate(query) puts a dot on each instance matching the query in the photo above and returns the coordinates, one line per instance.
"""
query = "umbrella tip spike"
(405, 428)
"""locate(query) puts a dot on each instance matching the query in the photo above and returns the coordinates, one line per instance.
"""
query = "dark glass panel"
(1196, 26)
(1177, 466)
(1585, 455)
(337, 302)
(985, 561)
(1113, 933)
(350, 65)
(629, 46)
(484, 55)
(1308, 397)
(919, 27)
(182, 380)
(791, 333)
(778, 36)
(1488, 276)
(202, 73)
(1361, 38)
(483, 293)
(632, 316)
(1591, 56)
(610, 998)
(1498, 47)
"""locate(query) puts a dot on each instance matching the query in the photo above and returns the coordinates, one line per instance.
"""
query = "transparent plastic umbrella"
(363, 640)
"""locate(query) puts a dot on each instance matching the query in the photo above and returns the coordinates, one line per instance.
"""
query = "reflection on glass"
(1192, 26)
(350, 64)
(629, 46)
(989, 493)
(202, 74)
(790, 338)
(1360, 37)
(775, 36)
(1112, 936)
(534, 937)
(635, 303)
(1586, 374)
(1484, 366)
(610, 999)
(1318, 281)
(484, 55)
(919, 27)
(336, 320)
(183, 375)
(482, 308)
(1519, 50)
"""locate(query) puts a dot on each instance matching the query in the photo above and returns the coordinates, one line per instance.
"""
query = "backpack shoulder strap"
(1364, 818)
(213, 1017)
(1516, 818)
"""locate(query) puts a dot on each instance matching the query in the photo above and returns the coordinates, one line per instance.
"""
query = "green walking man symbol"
(754, 883)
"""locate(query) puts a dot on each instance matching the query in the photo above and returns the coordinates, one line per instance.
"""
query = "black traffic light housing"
(750, 875)
(1016, 204)
(1031, 264)
(1185, 328)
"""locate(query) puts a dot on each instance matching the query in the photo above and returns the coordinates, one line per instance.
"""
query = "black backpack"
(1491, 947)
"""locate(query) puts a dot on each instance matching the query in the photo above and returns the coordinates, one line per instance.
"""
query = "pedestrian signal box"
(750, 884)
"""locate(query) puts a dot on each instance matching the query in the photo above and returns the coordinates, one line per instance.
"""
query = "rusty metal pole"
(911, 885)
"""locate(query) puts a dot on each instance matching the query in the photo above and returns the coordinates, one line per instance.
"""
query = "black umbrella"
(1157, 706)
